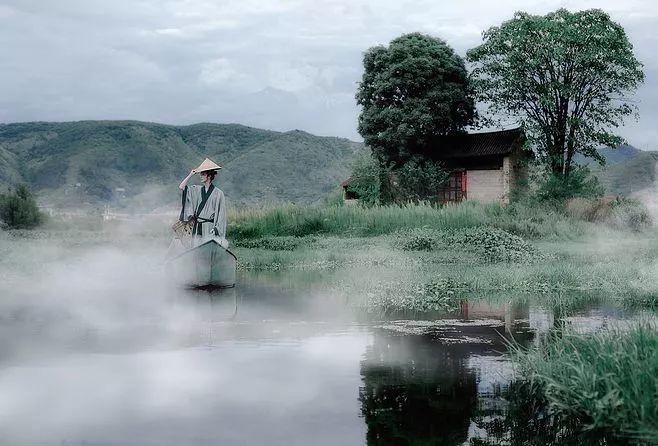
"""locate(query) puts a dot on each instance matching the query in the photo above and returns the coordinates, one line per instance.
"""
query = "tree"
(420, 179)
(19, 210)
(366, 179)
(411, 91)
(566, 77)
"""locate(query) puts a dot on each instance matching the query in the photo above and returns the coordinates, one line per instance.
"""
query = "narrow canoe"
(206, 265)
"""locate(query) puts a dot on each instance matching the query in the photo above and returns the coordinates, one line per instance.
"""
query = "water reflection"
(426, 388)
(279, 359)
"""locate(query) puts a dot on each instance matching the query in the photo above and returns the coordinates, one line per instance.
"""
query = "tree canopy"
(411, 91)
(18, 210)
(565, 76)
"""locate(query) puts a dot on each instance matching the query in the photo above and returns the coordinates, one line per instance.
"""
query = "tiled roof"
(470, 145)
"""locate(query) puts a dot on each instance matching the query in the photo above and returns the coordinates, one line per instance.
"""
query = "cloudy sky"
(273, 64)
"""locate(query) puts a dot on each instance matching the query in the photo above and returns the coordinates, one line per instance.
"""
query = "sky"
(278, 65)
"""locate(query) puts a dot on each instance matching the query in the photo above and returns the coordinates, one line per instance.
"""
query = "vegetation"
(411, 91)
(566, 76)
(300, 221)
(418, 179)
(18, 210)
(366, 180)
(494, 245)
(558, 189)
(73, 164)
(606, 380)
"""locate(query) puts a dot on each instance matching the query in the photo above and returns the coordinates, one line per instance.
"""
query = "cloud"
(275, 64)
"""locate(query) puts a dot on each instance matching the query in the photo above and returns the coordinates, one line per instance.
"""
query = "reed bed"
(606, 380)
(299, 221)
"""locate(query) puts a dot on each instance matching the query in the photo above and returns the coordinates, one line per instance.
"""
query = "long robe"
(214, 210)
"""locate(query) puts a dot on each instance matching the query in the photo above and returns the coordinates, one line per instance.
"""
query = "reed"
(607, 380)
(291, 220)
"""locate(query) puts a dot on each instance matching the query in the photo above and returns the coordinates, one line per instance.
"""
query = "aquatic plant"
(286, 243)
(607, 380)
(493, 244)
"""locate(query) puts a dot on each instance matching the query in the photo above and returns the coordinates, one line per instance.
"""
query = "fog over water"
(97, 348)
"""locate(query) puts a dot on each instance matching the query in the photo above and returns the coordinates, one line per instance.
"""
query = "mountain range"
(126, 163)
(140, 164)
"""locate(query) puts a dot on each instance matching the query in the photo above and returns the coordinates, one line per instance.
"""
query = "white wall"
(485, 185)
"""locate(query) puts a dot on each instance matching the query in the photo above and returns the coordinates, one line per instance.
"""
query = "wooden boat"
(208, 265)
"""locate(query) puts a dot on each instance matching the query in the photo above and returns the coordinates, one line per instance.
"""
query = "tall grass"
(368, 221)
(606, 380)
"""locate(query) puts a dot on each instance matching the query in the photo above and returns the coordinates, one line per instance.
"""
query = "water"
(85, 360)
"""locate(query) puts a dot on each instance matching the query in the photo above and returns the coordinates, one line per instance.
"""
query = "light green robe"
(215, 210)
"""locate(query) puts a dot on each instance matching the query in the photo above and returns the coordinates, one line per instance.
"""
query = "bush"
(619, 213)
(629, 214)
(492, 244)
(19, 210)
(579, 183)
(418, 180)
(496, 245)
(421, 239)
(366, 179)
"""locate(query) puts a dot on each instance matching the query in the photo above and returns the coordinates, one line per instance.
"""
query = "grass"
(300, 221)
(606, 380)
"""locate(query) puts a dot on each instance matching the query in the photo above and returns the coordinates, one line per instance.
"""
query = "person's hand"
(192, 172)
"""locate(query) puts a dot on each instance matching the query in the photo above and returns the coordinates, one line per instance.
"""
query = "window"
(455, 190)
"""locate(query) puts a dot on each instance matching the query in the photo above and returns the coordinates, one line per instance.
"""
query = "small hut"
(486, 167)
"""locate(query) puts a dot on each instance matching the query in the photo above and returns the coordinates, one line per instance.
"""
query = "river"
(111, 357)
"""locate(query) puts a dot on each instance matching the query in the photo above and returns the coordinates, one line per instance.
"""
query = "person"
(204, 204)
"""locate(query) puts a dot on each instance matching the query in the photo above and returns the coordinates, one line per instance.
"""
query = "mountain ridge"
(75, 163)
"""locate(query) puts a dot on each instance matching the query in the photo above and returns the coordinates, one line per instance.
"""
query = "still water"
(264, 363)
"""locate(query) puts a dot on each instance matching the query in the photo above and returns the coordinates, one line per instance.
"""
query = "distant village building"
(486, 167)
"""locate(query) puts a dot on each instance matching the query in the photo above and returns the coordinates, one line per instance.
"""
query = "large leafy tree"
(411, 91)
(566, 76)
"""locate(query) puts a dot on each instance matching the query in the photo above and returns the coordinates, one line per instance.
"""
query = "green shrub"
(492, 244)
(19, 210)
(366, 179)
(580, 183)
(420, 239)
(417, 180)
(496, 245)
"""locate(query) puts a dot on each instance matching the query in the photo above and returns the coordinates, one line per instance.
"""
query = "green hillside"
(127, 163)
(615, 155)
(628, 176)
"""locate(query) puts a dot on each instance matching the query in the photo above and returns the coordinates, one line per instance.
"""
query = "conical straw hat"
(206, 165)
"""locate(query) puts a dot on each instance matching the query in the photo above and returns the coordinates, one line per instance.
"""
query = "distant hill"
(131, 163)
(612, 156)
(628, 176)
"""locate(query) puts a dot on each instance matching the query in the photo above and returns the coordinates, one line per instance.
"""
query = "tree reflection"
(416, 391)
(422, 389)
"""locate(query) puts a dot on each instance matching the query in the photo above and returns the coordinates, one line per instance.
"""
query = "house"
(486, 167)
